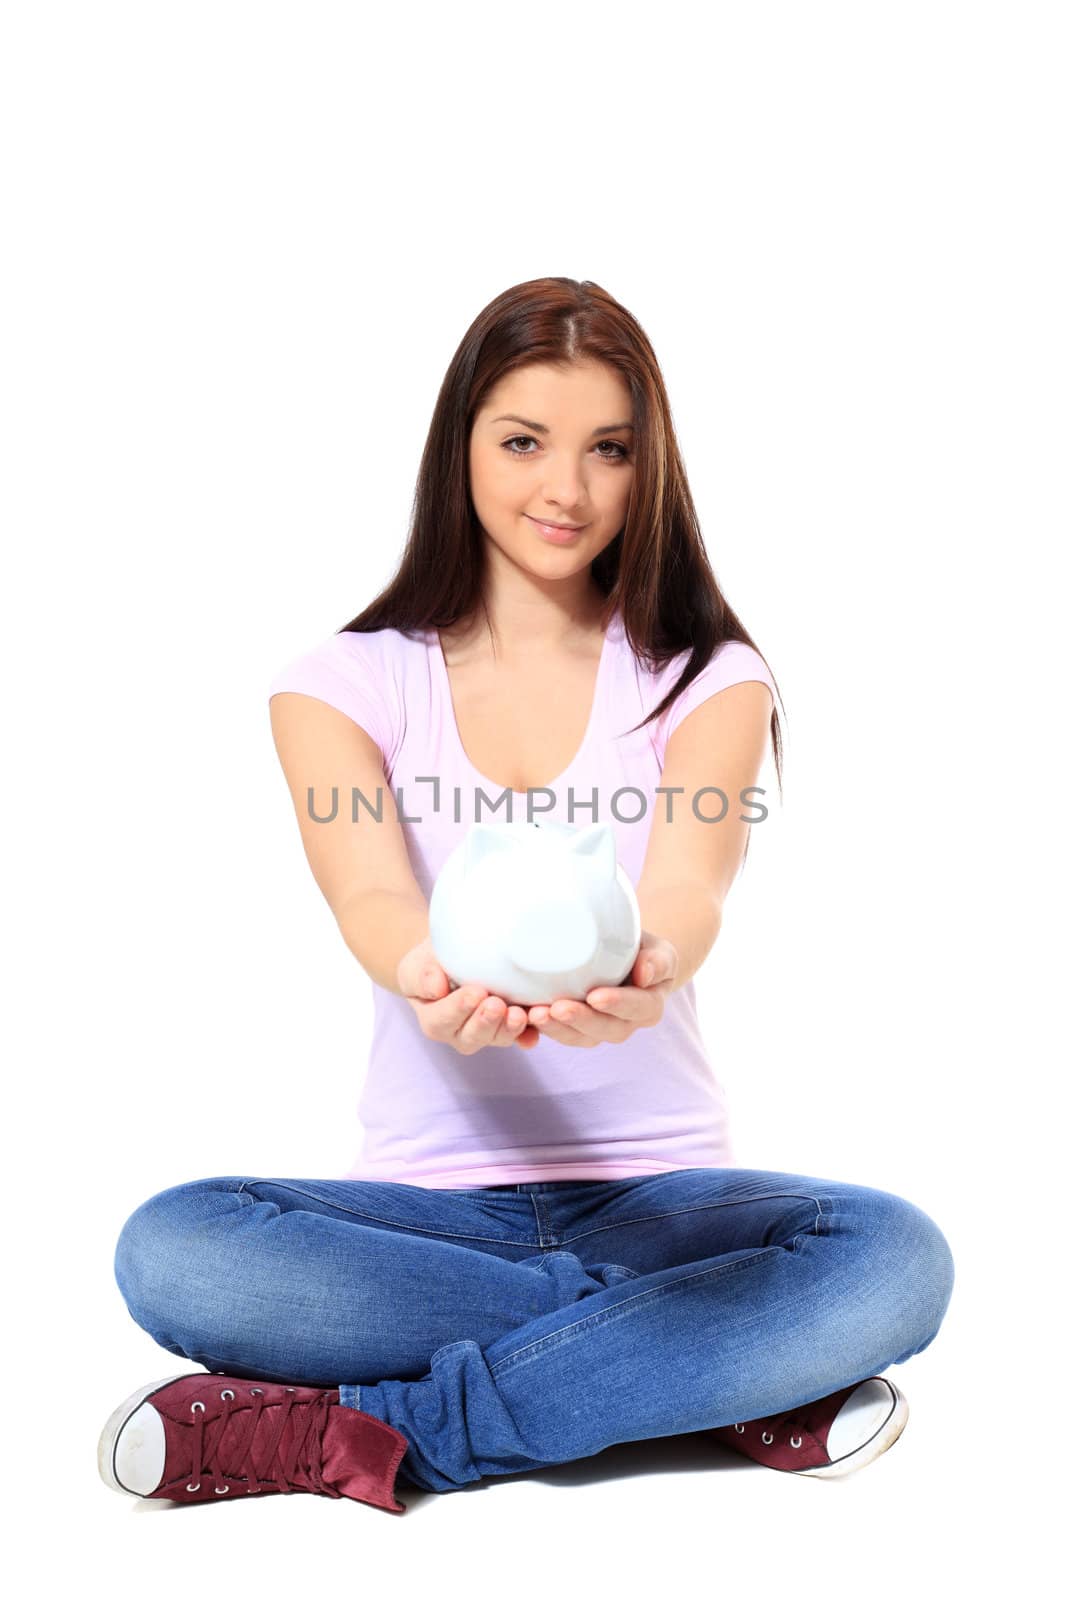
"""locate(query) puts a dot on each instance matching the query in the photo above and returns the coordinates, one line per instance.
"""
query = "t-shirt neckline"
(438, 657)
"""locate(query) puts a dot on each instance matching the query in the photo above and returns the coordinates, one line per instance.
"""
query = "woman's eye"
(524, 438)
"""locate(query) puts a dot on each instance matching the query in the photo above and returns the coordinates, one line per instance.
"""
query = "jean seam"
(711, 1205)
(822, 1209)
(390, 1222)
(561, 1335)
(538, 1242)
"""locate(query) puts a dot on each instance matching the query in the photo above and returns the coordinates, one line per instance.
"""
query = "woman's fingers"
(610, 1015)
(573, 1022)
(489, 1020)
(640, 1005)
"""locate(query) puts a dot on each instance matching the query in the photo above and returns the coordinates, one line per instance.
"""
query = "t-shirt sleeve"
(345, 671)
(733, 662)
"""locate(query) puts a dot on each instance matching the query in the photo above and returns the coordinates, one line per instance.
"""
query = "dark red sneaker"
(203, 1436)
(825, 1438)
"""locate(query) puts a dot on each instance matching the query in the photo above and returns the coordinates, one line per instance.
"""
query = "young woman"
(545, 1248)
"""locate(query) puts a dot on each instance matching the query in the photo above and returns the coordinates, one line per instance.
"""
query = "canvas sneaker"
(205, 1436)
(826, 1438)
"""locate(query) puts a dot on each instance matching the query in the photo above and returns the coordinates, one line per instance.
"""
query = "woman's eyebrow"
(539, 427)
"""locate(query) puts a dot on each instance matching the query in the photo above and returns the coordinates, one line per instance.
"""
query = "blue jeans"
(505, 1328)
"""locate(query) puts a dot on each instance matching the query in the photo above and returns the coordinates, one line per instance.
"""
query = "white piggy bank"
(535, 911)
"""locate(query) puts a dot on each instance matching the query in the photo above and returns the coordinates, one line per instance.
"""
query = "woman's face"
(555, 445)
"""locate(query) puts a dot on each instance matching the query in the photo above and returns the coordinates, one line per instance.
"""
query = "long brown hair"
(655, 570)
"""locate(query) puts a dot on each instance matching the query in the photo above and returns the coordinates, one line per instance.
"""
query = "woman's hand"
(468, 1018)
(608, 1016)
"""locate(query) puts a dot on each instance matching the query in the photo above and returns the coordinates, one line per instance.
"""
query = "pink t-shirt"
(432, 1116)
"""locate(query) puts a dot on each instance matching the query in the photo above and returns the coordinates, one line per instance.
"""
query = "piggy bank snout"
(554, 936)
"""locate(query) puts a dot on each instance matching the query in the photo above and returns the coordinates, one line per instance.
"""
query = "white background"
(242, 243)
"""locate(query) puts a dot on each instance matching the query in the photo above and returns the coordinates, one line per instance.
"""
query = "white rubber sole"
(876, 1445)
(136, 1446)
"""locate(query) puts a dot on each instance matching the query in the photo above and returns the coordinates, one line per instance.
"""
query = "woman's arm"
(362, 867)
(380, 926)
(688, 868)
(690, 864)
(687, 919)
(364, 872)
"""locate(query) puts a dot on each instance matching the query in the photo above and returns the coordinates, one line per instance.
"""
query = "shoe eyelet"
(198, 1405)
(191, 1488)
(768, 1438)
(255, 1391)
(739, 1427)
(796, 1443)
(289, 1390)
(227, 1394)
(223, 1491)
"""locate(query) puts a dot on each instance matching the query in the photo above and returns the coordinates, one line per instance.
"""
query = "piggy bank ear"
(484, 841)
(597, 842)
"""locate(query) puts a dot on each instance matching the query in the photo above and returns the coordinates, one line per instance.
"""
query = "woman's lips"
(557, 535)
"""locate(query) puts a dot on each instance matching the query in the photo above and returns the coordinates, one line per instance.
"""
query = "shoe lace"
(223, 1440)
